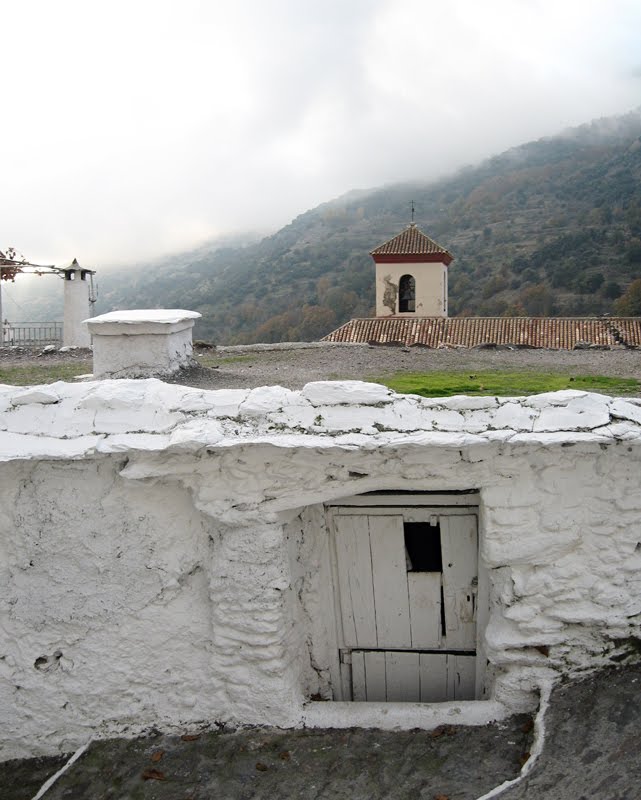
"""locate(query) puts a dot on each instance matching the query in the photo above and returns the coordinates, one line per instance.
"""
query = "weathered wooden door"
(407, 581)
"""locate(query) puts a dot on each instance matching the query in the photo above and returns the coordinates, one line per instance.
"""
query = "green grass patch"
(215, 361)
(33, 374)
(505, 384)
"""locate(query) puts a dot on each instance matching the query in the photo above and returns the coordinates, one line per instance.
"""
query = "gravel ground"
(292, 365)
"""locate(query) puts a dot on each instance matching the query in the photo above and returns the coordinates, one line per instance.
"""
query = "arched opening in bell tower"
(406, 294)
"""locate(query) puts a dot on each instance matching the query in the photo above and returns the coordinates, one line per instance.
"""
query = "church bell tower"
(411, 276)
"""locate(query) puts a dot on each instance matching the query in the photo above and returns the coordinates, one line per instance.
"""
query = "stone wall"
(163, 550)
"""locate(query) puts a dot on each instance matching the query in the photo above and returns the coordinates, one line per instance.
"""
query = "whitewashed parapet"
(162, 549)
(322, 415)
(142, 343)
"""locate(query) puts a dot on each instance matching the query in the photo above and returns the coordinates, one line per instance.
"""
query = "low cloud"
(137, 128)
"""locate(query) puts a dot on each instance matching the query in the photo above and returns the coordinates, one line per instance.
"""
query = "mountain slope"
(552, 227)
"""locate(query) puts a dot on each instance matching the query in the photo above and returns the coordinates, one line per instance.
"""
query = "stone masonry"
(164, 550)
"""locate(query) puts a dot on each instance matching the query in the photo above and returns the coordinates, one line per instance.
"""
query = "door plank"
(359, 692)
(433, 677)
(425, 609)
(390, 581)
(375, 670)
(355, 587)
(461, 677)
(460, 566)
(402, 677)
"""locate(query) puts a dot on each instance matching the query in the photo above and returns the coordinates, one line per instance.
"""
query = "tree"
(611, 290)
(316, 323)
(10, 264)
(588, 284)
(538, 301)
(629, 304)
(633, 253)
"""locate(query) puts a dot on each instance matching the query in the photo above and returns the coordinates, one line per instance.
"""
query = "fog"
(134, 129)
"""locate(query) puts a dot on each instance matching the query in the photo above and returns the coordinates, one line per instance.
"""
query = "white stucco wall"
(431, 289)
(142, 343)
(163, 550)
(76, 310)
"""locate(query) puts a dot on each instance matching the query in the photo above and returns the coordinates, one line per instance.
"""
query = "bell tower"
(411, 276)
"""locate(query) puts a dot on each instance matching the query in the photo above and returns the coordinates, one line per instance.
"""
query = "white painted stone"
(446, 419)
(546, 399)
(33, 396)
(225, 402)
(268, 398)
(41, 396)
(126, 442)
(195, 434)
(49, 420)
(622, 431)
(624, 409)
(329, 393)
(462, 402)
(17, 447)
(581, 412)
(141, 518)
(514, 416)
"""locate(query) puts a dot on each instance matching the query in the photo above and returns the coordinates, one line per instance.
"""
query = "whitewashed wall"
(163, 554)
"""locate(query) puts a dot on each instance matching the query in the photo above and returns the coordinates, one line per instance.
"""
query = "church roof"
(554, 333)
(408, 245)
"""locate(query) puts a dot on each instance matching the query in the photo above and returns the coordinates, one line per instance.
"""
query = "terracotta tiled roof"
(411, 242)
(555, 333)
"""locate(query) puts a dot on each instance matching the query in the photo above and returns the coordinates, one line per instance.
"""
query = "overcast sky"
(134, 128)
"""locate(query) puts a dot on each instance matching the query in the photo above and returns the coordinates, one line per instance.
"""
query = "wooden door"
(407, 598)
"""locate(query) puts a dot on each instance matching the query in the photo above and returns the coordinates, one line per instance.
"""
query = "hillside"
(552, 227)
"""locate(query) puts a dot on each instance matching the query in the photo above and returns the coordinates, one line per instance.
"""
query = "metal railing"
(31, 334)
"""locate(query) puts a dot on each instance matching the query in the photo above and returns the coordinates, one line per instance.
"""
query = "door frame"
(387, 503)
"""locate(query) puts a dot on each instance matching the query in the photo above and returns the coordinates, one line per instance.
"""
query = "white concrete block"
(141, 343)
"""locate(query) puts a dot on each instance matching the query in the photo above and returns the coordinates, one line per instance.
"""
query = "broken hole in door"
(423, 547)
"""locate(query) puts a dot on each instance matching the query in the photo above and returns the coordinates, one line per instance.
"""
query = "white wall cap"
(47, 419)
(132, 316)
(137, 322)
